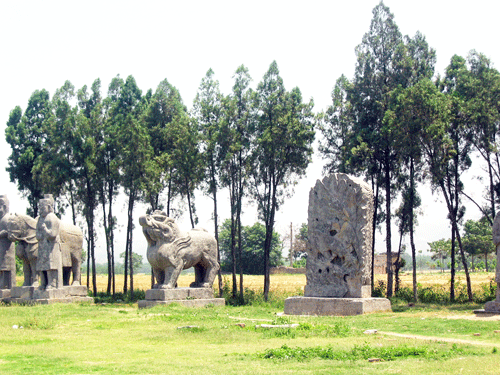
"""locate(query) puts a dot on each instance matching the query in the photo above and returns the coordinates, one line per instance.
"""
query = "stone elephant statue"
(22, 228)
(170, 251)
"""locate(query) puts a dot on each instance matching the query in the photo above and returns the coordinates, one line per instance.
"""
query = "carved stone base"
(331, 291)
(193, 297)
(23, 292)
(335, 306)
(490, 308)
(5, 294)
(66, 294)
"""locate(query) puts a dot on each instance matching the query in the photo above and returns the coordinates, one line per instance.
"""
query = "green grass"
(120, 339)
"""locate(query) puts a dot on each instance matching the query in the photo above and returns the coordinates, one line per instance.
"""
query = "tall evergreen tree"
(283, 148)
(24, 134)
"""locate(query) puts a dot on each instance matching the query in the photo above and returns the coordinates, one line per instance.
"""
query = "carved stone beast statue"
(22, 229)
(170, 251)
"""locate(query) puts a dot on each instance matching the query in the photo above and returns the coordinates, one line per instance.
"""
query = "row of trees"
(397, 126)
(85, 148)
(477, 243)
(393, 123)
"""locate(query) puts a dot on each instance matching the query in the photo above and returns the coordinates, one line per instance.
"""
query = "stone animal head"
(159, 227)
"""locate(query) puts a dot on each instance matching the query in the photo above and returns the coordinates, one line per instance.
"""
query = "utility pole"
(291, 245)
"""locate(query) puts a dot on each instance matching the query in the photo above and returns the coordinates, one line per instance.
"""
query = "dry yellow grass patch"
(293, 283)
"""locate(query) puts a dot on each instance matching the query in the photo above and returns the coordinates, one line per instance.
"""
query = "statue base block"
(66, 294)
(490, 308)
(335, 306)
(5, 294)
(23, 292)
(192, 297)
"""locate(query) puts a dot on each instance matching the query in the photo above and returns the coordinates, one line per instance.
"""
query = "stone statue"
(496, 241)
(7, 250)
(22, 229)
(340, 236)
(49, 262)
(170, 251)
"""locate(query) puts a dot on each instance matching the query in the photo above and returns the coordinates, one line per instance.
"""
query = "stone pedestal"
(66, 294)
(23, 293)
(194, 297)
(5, 294)
(490, 308)
(335, 306)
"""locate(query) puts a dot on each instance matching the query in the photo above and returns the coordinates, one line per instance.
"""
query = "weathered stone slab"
(5, 293)
(179, 293)
(23, 292)
(335, 306)
(49, 301)
(65, 291)
(186, 302)
(340, 234)
(193, 297)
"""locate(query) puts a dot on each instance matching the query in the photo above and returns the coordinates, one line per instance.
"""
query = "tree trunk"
(189, 204)
(412, 241)
(452, 276)
(374, 227)
(388, 229)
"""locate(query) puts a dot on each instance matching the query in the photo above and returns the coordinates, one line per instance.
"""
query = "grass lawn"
(121, 339)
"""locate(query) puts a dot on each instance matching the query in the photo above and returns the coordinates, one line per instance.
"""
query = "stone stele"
(339, 250)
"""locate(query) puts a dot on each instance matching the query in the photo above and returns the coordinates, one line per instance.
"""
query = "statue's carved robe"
(49, 244)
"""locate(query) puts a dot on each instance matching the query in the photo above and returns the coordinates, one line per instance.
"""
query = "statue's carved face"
(45, 207)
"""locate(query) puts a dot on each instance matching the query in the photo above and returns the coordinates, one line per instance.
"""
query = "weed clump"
(363, 352)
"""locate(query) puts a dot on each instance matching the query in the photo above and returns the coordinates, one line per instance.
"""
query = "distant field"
(293, 283)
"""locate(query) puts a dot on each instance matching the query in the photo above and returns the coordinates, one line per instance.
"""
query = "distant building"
(380, 263)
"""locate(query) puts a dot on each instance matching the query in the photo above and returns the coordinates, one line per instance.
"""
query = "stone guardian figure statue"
(49, 262)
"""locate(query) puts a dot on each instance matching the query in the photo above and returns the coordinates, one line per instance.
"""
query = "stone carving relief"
(340, 235)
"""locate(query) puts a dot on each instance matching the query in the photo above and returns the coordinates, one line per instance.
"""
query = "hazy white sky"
(45, 43)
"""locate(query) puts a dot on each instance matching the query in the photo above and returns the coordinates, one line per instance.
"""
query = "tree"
(208, 112)
(386, 61)
(284, 135)
(441, 250)
(477, 239)
(336, 128)
(135, 159)
(24, 133)
(252, 239)
(446, 149)
(136, 260)
(165, 113)
(406, 219)
(236, 141)
(480, 88)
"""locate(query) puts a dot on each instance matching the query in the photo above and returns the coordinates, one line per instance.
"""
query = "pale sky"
(45, 43)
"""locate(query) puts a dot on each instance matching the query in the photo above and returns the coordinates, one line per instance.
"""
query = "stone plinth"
(335, 306)
(5, 294)
(193, 297)
(490, 308)
(23, 292)
(66, 294)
